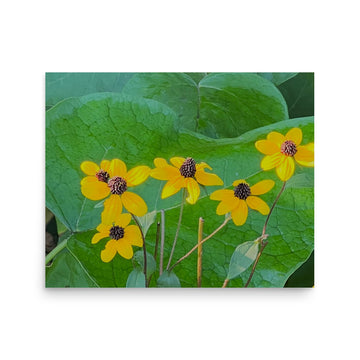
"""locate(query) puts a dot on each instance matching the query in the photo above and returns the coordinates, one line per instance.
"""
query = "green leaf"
(299, 95)
(60, 86)
(136, 279)
(106, 126)
(67, 271)
(219, 105)
(146, 221)
(168, 279)
(150, 262)
(243, 256)
(277, 78)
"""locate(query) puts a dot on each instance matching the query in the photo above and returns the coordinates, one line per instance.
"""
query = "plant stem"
(227, 219)
(263, 244)
(199, 259)
(156, 248)
(272, 208)
(177, 229)
(56, 250)
(225, 283)
(144, 247)
(162, 241)
(264, 236)
(157, 239)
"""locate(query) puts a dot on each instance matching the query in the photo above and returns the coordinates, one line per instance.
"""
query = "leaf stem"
(162, 241)
(177, 229)
(144, 247)
(199, 259)
(201, 242)
(264, 236)
(56, 250)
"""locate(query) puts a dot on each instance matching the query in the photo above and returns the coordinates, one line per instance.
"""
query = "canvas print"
(202, 180)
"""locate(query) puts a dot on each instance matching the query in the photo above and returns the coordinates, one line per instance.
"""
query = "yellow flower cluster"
(112, 181)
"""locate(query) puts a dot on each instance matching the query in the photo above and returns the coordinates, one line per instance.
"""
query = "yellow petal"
(240, 181)
(173, 186)
(262, 187)
(240, 213)
(276, 138)
(133, 203)
(286, 169)
(177, 161)
(89, 168)
(207, 179)
(94, 189)
(137, 175)
(227, 205)
(271, 161)
(160, 162)
(98, 236)
(164, 173)
(112, 209)
(104, 228)
(105, 165)
(304, 154)
(258, 204)
(267, 147)
(202, 166)
(193, 190)
(110, 250)
(123, 220)
(222, 194)
(132, 236)
(117, 168)
(124, 249)
(295, 135)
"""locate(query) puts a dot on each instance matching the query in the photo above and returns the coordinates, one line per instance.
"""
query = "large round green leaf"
(218, 105)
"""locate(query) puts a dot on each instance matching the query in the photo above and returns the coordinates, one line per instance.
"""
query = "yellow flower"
(112, 178)
(281, 151)
(240, 198)
(122, 237)
(183, 173)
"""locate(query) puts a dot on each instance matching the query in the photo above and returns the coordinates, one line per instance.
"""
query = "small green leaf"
(168, 279)
(150, 262)
(243, 256)
(146, 221)
(136, 279)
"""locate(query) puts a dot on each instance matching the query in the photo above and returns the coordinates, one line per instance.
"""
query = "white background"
(39, 37)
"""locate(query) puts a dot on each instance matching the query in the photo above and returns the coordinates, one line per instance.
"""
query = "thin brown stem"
(225, 283)
(162, 241)
(156, 248)
(263, 244)
(144, 247)
(199, 259)
(272, 208)
(177, 229)
(264, 236)
(227, 219)
(157, 239)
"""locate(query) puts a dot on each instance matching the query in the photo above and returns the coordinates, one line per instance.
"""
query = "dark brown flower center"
(288, 148)
(188, 168)
(242, 191)
(102, 176)
(117, 185)
(116, 232)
